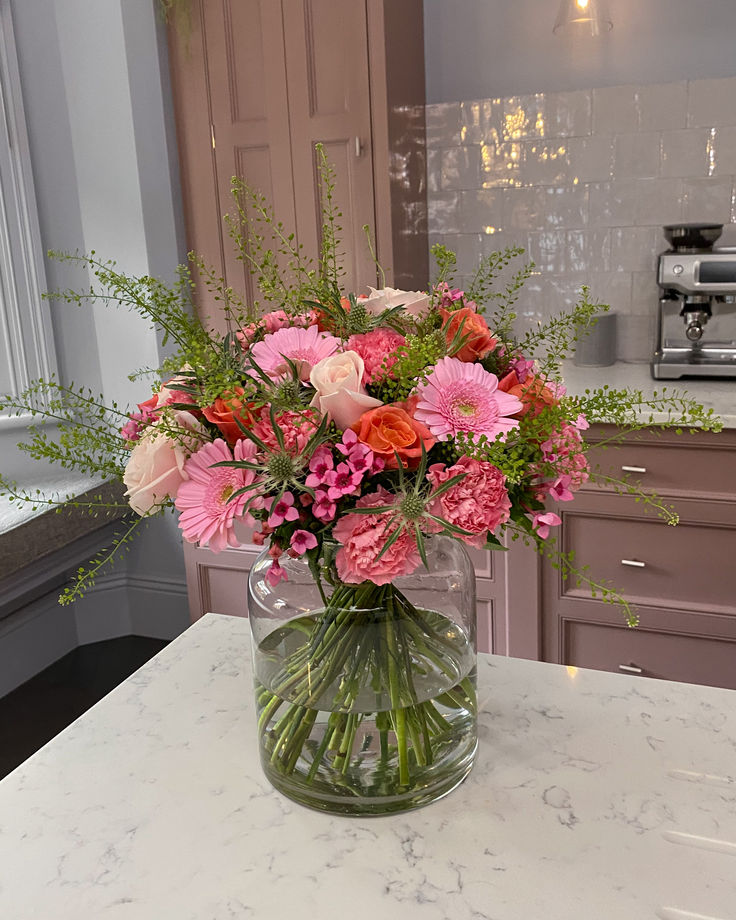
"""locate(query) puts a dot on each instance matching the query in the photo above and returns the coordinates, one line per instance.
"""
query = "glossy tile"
(545, 162)
(706, 200)
(460, 168)
(711, 103)
(634, 249)
(482, 211)
(568, 114)
(615, 110)
(658, 201)
(591, 158)
(637, 155)
(612, 204)
(722, 151)
(685, 153)
(662, 106)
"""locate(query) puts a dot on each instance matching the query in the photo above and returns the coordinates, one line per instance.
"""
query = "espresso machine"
(696, 323)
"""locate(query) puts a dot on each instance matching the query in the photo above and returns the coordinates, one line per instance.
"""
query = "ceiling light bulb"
(586, 17)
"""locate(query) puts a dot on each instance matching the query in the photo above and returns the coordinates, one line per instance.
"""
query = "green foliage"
(415, 358)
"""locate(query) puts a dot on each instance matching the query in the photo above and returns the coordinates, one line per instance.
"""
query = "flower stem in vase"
(355, 710)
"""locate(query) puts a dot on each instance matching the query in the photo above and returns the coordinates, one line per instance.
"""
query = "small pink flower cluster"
(140, 420)
(453, 298)
(330, 482)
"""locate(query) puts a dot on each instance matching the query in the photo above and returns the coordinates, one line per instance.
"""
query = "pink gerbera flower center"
(459, 396)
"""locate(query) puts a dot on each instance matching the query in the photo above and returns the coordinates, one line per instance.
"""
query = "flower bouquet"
(363, 441)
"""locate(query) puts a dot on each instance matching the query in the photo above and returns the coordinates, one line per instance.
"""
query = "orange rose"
(532, 392)
(224, 411)
(478, 339)
(390, 428)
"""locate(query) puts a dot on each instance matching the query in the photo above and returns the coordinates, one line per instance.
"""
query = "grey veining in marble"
(595, 797)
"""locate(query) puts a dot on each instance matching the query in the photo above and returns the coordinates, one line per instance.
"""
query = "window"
(26, 343)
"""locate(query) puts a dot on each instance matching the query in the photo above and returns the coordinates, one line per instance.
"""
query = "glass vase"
(366, 694)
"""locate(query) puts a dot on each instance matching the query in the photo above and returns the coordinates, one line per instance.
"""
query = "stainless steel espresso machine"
(696, 324)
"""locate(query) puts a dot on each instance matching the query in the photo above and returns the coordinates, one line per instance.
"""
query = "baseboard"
(39, 633)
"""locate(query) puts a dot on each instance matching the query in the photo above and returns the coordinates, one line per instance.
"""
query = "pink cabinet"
(506, 582)
(681, 579)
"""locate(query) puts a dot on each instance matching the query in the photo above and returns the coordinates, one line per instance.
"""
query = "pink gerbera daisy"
(207, 516)
(460, 396)
(305, 347)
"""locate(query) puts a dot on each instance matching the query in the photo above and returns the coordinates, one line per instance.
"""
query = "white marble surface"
(594, 797)
(719, 395)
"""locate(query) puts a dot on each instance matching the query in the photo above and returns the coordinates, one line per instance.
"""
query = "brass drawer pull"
(634, 469)
(630, 669)
(634, 562)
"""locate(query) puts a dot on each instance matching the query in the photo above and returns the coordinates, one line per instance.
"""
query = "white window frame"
(26, 336)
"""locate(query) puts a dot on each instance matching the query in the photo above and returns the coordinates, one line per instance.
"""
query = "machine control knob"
(677, 269)
(694, 331)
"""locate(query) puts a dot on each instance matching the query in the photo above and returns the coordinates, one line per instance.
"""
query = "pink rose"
(363, 536)
(378, 349)
(155, 469)
(478, 503)
(339, 392)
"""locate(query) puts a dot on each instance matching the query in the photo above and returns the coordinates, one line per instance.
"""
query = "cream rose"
(155, 469)
(339, 393)
(416, 303)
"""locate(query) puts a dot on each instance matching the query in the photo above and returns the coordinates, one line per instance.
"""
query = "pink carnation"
(378, 349)
(363, 537)
(296, 427)
(478, 503)
(207, 513)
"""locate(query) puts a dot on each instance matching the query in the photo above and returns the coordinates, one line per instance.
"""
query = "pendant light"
(584, 17)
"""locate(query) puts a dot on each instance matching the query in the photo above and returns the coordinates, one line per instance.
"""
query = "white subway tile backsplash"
(482, 210)
(443, 213)
(658, 202)
(591, 158)
(588, 250)
(615, 110)
(712, 103)
(662, 106)
(545, 162)
(460, 168)
(634, 249)
(568, 114)
(584, 181)
(685, 153)
(637, 155)
(613, 204)
(443, 124)
(722, 151)
(707, 200)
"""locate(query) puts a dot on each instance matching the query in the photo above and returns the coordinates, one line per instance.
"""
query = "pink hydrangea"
(378, 349)
(204, 498)
(304, 347)
(478, 503)
(363, 536)
(462, 396)
(296, 427)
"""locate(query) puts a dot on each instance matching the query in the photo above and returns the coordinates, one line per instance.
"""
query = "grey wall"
(477, 49)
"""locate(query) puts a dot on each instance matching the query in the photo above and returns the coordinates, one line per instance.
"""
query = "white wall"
(98, 108)
(476, 49)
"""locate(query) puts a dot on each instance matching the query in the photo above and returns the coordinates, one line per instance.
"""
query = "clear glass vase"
(366, 694)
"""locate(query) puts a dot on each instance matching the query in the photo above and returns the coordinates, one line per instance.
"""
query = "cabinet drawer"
(691, 659)
(648, 561)
(670, 469)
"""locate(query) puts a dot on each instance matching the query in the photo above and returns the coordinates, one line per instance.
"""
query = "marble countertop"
(719, 395)
(594, 797)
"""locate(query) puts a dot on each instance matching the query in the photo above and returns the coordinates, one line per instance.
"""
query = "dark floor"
(39, 709)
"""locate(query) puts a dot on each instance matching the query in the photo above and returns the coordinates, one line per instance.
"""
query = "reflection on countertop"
(716, 394)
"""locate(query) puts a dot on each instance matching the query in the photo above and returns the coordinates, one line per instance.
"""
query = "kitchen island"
(594, 797)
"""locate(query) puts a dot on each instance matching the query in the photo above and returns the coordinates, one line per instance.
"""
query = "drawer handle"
(630, 669)
(634, 562)
(634, 469)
